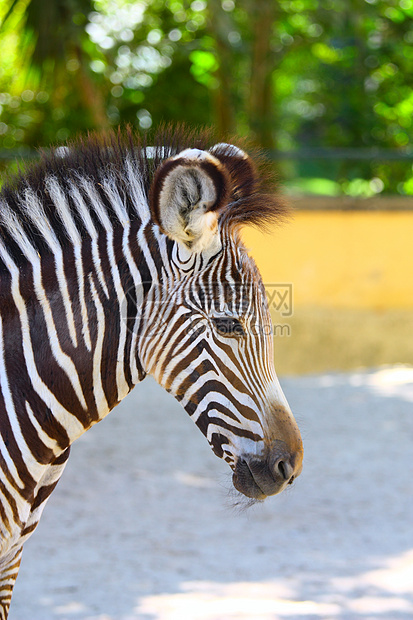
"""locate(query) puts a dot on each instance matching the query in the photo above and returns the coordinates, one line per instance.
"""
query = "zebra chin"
(258, 477)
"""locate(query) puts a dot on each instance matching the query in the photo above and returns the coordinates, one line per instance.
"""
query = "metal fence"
(301, 154)
(310, 162)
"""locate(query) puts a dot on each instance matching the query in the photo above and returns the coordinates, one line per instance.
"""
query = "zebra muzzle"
(259, 477)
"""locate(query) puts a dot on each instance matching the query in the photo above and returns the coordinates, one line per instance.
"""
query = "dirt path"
(140, 526)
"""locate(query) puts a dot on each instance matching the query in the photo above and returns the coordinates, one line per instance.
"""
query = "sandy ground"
(141, 524)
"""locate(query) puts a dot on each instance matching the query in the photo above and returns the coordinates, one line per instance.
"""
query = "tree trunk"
(220, 24)
(261, 104)
(91, 96)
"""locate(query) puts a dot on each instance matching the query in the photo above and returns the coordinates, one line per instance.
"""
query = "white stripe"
(137, 192)
(239, 445)
(33, 208)
(98, 392)
(48, 441)
(50, 476)
(90, 227)
(34, 468)
(63, 209)
(11, 413)
(153, 151)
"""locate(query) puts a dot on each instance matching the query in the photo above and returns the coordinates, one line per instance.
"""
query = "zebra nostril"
(284, 469)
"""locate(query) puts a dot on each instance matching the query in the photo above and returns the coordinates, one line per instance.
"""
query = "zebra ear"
(244, 178)
(186, 197)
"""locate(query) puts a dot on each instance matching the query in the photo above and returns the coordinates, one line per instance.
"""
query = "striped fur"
(96, 292)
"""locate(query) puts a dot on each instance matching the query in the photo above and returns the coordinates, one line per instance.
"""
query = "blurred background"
(324, 86)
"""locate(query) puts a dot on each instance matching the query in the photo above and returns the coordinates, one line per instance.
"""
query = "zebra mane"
(100, 157)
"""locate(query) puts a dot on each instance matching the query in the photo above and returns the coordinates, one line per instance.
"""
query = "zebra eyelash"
(228, 326)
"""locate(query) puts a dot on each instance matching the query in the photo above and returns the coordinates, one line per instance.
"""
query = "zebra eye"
(228, 326)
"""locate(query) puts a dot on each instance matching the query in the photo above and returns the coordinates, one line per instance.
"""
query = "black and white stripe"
(116, 261)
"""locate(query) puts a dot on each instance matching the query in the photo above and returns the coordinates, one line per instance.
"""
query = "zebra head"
(209, 339)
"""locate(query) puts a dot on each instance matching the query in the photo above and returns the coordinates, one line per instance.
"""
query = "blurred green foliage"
(292, 73)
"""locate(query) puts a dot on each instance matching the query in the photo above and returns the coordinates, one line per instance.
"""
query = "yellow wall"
(340, 259)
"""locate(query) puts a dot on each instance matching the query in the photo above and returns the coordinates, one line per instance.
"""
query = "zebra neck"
(107, 353)
(69, 336)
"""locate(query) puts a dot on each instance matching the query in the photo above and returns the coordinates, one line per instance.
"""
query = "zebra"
(119, 260)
